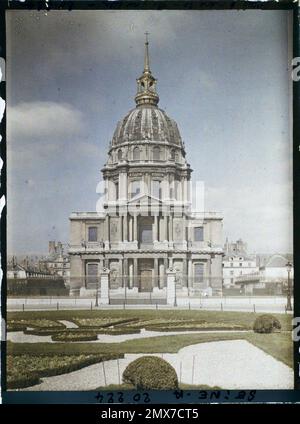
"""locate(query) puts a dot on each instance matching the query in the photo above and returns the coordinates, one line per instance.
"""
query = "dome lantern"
(146, 84)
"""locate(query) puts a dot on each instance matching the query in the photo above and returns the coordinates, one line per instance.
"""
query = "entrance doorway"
(146, 277)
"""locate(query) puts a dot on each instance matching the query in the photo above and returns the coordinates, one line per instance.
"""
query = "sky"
(222, 75)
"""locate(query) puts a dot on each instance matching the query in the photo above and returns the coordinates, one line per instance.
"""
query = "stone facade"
(144, 224)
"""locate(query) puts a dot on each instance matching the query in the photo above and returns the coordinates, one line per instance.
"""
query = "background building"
(237, 262)
(146, 226)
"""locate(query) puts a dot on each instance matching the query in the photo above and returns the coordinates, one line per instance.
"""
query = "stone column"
(76, 280)
(135, 227)
(120, 233)
(155, 229)
(190, 273)
(125, 276)
(103, 293)
(171, 228)
(135, 273)
(161, 274)
(125, 228)
(130, 227)
(106, 233)
(185, 273)
(165, 224)
(165, 270)
(156, 273)
(131, 273)
(171, 289)
(120, 273)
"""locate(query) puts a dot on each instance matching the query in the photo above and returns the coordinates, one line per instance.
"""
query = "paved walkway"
(234, 364)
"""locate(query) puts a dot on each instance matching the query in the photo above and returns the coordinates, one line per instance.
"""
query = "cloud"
(44, 119)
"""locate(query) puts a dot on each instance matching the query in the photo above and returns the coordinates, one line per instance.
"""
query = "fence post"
(254, 307)
(221, 306)
(189, 305)
(91, 306)
(57, 306)
(23, 307)
(104, 375)
(193, 367)
(156, 306)
(119, 378)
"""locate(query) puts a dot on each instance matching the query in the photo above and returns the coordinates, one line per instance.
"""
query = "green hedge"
(197, 328)
(38, 366)
(15, 327)
(151, 373)
(119, 331)
(266, 323)
(74, 337)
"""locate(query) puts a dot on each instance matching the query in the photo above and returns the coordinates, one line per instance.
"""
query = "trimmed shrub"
(266, 323)
(74, 337)
(150, 373)
(119, 331)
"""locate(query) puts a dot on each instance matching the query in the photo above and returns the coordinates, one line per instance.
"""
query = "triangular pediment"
(143, 199)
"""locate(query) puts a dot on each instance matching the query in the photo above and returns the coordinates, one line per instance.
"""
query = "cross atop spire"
(146, 61)
(146, 92)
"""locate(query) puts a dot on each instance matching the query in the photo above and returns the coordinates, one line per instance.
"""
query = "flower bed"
(195, 327)
(101, 322)
(26, 370)
(35, 323)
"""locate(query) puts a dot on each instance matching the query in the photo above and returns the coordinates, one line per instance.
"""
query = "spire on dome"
(146, 84)
(146, 61)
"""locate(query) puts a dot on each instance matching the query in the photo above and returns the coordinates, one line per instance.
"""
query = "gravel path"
(234, 364)
(20, 337)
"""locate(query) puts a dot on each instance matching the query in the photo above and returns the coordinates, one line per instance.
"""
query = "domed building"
(144, 228)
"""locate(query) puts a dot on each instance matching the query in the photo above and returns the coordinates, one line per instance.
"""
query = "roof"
(147, 123)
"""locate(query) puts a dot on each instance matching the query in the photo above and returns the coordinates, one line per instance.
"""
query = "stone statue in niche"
(178, 231)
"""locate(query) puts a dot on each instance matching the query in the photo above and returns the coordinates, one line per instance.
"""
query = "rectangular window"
(198, 233)
(156, 189)
(92, 236)
(135, 188)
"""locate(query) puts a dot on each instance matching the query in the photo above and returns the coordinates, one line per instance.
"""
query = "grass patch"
(278, 345)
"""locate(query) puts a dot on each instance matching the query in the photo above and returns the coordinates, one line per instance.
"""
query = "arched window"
(173, 154)
(156, 153)
(136, 153)
(119, 154)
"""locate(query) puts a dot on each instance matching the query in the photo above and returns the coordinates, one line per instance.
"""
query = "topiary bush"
(266, 323)
(150, 373)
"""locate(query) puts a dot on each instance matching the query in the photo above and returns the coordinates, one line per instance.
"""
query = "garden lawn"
(278, 345)
(149, 317)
